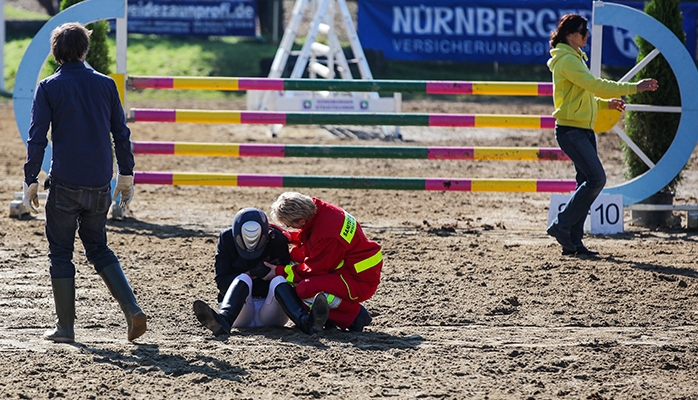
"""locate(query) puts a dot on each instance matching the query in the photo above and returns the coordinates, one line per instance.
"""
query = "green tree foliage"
(98, 56)
(654, 132)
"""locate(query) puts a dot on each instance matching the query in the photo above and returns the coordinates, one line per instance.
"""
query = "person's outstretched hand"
(647, 84)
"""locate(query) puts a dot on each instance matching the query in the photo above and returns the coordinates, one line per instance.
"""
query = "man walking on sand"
(81, 107)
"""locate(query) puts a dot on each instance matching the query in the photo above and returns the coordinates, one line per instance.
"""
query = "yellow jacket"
(577, 93)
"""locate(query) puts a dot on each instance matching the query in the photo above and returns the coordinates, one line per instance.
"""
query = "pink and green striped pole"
(343, 118)
(342, 85)
(355, 182)
(329, 151)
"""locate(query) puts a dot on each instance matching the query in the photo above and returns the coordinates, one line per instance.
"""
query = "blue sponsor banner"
(508, 31)
(192, 17)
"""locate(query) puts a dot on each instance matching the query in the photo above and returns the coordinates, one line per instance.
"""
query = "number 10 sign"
(605, 216)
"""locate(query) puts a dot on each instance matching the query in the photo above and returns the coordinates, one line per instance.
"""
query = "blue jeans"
(70, 208)
(580, 146)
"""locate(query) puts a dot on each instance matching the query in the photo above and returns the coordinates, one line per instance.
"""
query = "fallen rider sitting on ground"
(245, 299)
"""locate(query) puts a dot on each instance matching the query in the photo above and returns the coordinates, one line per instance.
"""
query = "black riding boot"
(64, 298)
(308, 322)
(116, 281)
(361, 321)
(221, 322)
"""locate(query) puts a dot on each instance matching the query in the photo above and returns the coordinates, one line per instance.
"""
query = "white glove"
(124, 187)
(30, 198)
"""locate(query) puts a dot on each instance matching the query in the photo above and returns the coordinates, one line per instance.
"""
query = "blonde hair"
(291, 207)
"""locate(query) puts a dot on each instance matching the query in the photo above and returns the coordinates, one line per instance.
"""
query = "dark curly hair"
(569, 23)
(70, 42)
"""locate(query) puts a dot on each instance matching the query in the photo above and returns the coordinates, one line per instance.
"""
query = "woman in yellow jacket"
(577, 96)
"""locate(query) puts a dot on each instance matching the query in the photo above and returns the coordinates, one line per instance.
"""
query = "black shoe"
(579, 251)
(562, 237)
(330, 326)
(568, 252)
(211, 319)
(362, 320)
(583, 251)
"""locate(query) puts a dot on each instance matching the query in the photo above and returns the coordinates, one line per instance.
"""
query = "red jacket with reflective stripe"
(333, 242)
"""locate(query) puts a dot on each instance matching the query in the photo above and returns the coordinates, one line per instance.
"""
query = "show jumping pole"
(353, 182)
(349, 118)
(330, 151)
(342, 85)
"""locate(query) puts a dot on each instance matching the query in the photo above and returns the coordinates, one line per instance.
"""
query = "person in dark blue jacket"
(81, 107)
(245, 299)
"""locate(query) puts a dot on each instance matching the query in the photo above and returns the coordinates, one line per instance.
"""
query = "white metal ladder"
(311, 54)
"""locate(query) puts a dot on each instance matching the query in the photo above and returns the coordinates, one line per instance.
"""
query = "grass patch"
(193, 56)
(173, 56)
(17, 13)
(14, 51)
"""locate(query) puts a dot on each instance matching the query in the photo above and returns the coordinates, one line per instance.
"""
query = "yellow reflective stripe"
(349, 227)
(370, 262)
(348, 290)
(289, 273)
(333, 301)
(341, 264)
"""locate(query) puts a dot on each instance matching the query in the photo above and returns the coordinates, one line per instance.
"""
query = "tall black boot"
(308, 322)
(64, 298)
(116, 281)
(221, 322)
(361, 321)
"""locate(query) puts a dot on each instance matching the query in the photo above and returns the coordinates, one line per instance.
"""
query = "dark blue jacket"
(229, 264)
(81, 107)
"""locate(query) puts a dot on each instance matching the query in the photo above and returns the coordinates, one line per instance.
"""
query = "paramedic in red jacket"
(331, 256)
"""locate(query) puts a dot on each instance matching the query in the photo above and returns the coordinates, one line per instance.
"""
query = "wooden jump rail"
(354, 182)
(342, 85)
(329, 151)
(348, 118)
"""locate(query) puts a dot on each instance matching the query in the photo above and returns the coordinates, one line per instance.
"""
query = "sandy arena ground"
(475, 301)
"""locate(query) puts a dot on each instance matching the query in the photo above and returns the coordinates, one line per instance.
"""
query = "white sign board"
(315, 101)
(605, 216)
